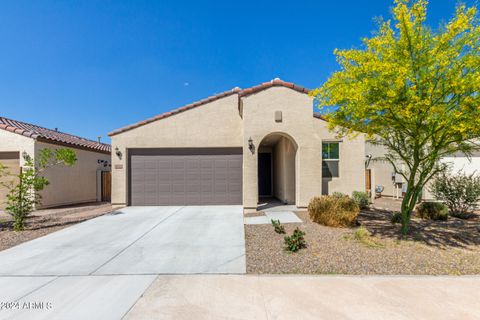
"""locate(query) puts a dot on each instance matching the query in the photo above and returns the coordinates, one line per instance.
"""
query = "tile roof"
(274, 83)
(51, 136)
(241, 93)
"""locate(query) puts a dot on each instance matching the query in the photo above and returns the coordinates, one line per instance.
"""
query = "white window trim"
(338, 159)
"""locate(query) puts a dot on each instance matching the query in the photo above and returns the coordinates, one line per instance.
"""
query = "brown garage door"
(185, 176)
(11, 160)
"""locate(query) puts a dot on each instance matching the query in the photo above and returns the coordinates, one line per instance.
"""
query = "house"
(77, 184)
(380, 173)
(235, 148)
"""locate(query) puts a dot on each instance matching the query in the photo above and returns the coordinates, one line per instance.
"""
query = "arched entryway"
(277, 168)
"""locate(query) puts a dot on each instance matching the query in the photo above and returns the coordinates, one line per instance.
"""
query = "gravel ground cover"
(43, 222)
(432, 248)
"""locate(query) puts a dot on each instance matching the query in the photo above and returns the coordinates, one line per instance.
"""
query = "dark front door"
(265, 174)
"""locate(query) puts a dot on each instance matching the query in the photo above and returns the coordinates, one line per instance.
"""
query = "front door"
(265, 174)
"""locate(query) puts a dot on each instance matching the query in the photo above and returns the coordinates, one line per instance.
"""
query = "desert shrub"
(460, 192)
(361, 199)
(396, 218)
(337, 194)
(278, 226)
(333, 211)
(296, 241)
(432, 211)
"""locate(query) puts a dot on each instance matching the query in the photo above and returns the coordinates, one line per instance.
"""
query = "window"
(330, 159)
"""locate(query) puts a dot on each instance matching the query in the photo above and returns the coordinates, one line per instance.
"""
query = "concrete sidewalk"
(309, 297)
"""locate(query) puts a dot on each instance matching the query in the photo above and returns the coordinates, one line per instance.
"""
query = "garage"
(185, 176)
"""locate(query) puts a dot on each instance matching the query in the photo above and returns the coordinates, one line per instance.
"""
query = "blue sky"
(88, 67)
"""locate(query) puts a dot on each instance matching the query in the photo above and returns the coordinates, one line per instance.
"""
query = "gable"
(215, 123)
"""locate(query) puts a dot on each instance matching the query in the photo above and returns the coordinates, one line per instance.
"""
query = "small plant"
(460, 192)
(396, 218)
(23, 192)
(361, 199)
(278, 226)
(296, 241)
(333, 211)
(432, 211)
(364, 236)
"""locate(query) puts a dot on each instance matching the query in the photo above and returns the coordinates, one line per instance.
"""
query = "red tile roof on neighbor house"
(52, 136)
(241, 93)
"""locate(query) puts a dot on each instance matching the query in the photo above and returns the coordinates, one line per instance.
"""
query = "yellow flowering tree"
(411, 89)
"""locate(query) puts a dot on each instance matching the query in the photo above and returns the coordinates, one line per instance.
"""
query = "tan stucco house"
(77, 184)
(234, 148)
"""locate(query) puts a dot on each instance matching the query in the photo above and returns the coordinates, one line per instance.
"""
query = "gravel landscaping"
(43, 222)
(433, 248)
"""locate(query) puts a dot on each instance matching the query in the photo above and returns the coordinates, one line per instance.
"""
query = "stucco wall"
(14, 142)
(351, 167)
(308, 133)
(11, 162)
(457, 163)
(74, 184)
(284, 170)
(381, 170)
(215, 124)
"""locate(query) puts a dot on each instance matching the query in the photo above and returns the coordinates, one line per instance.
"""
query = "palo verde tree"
(412, 90)
(23, 189)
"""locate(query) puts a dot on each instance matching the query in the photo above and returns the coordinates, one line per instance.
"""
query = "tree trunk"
(408, 204)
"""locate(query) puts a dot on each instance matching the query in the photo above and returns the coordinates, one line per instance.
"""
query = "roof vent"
(99, 139)
(276, 79)
(56, 129)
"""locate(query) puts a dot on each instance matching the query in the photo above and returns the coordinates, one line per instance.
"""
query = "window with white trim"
(330, 159)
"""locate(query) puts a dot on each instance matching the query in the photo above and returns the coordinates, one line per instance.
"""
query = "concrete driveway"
(99, 268)
(138, 240)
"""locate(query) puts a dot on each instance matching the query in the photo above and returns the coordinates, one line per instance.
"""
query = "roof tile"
(53, 136)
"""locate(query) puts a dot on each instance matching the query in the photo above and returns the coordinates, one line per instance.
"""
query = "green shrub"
(460, 192)
(296, 241)
(333, 211)
(396, 218)
(337, 194)
(278, 227)
(432, 211)
(361, 199)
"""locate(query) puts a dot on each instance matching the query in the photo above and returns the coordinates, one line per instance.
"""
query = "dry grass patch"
(363, 236)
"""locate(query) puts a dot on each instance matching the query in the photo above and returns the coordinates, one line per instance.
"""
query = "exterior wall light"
(118, 153)
(251, 147)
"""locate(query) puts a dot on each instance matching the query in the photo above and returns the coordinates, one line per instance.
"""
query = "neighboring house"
(233, 148)
(68, 185)
(382, 173)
